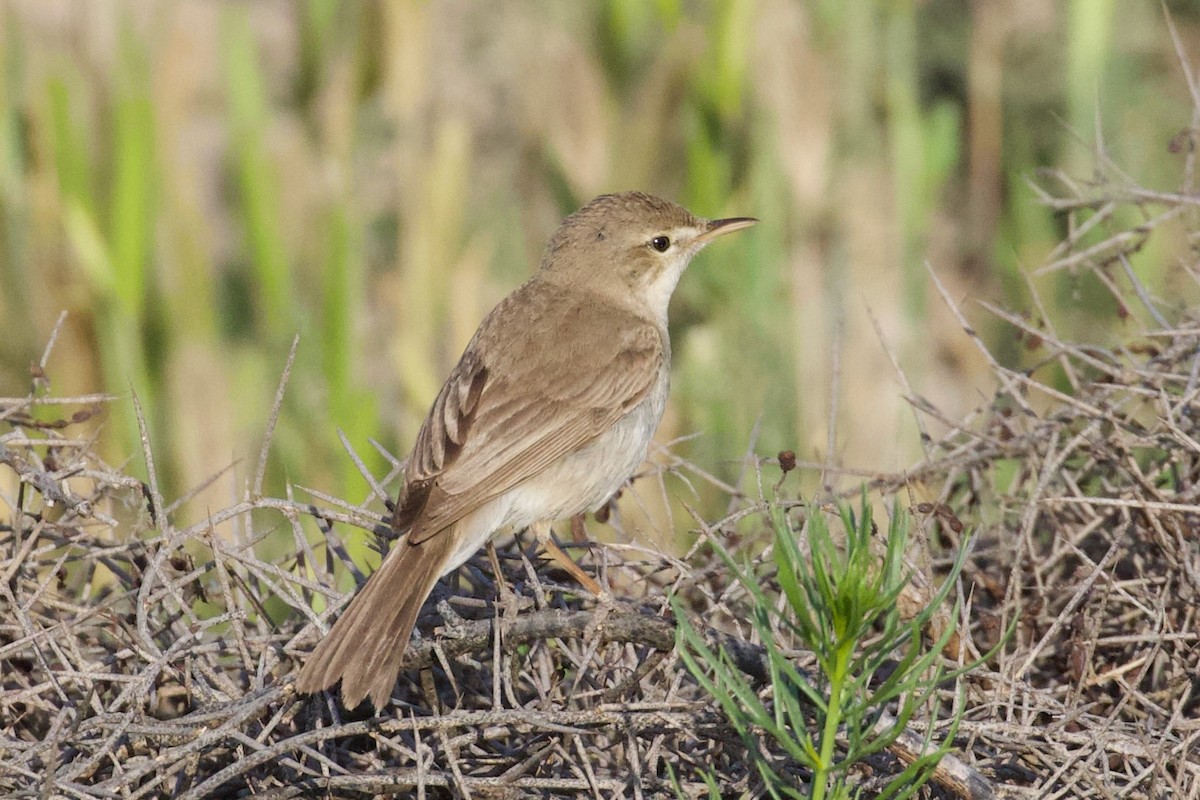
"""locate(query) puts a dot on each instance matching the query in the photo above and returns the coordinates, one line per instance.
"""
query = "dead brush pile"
(142, 659)
(1085, 501)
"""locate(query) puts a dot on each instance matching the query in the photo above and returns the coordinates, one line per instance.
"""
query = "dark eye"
(660, 243)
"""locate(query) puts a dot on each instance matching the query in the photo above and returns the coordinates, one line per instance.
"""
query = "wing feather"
(514, 405)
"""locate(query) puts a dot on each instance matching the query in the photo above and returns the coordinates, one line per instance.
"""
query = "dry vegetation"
(142, 660)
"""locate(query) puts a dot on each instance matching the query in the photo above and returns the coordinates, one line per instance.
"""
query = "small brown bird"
(549, 411)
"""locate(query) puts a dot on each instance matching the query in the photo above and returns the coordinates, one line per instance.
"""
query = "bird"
(549, 410)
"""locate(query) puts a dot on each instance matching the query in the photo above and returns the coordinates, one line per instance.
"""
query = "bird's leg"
(507, 597)
(578, 531)
(497, 574)
(545, 538)
(507, 604)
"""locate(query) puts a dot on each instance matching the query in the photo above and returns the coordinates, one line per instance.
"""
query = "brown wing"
(441, 436)
(521, 397)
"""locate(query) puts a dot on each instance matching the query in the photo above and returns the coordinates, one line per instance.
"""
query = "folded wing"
(497, 424)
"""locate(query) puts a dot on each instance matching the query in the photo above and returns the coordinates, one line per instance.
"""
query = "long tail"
(365, 647)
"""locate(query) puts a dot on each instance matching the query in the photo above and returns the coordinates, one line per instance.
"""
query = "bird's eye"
(660, 243)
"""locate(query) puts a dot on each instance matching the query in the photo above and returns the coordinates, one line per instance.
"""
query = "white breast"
(587, 478)
(576, 483)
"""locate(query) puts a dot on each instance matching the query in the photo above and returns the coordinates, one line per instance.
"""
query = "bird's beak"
(720, 227)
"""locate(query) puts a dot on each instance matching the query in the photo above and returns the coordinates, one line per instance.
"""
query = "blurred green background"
(196, 182)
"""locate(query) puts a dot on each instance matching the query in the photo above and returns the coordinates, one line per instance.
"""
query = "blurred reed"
(197, 182)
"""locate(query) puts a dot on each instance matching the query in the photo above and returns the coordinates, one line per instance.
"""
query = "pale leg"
(578, 530)
(501, 584)
(541, 530)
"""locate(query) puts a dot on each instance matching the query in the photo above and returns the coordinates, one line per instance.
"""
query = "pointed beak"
(720, 227)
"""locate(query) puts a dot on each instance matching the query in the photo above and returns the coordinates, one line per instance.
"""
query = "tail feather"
(365, 647)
